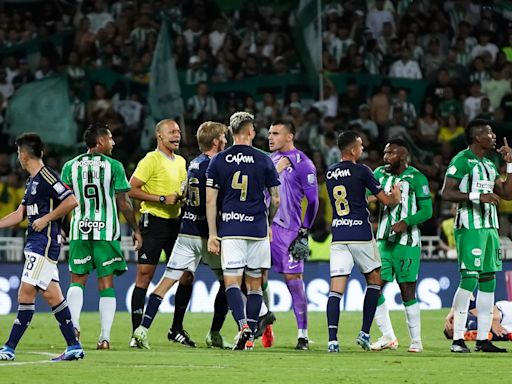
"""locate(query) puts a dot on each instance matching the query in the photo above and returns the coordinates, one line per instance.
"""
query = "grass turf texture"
(174, 363)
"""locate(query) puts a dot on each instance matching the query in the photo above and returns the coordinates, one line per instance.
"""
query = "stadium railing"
(11, 249)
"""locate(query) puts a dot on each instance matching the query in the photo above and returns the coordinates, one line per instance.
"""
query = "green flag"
(308, 35)
(164, 88)
(43, 106)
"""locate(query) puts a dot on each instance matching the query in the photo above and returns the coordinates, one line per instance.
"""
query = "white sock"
(302, 333)
(107, 311)
(266, 296)
(484, 307)
(412, 314)
(384, 322)
(263, 309)
(460, 312)
(75, 299)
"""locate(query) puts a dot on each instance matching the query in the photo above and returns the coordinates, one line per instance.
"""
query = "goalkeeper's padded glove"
(299, 248)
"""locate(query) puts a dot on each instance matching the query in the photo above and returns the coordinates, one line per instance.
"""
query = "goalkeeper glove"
(299, 248)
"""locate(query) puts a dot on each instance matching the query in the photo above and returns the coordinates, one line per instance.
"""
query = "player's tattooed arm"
(274, 203)
(125, 206)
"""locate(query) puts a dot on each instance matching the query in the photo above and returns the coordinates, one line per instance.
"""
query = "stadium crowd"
(463, 49)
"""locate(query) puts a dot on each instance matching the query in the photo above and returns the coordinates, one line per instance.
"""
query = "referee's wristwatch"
(161, 199)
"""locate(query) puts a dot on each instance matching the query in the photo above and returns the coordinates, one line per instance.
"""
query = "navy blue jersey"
(194, 218)
(242, 174)
(43, 194)
(346, 184)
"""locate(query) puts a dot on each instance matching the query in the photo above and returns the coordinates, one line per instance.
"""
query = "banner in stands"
(436, 286)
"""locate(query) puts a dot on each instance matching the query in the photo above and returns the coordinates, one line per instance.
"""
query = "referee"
(158, 182)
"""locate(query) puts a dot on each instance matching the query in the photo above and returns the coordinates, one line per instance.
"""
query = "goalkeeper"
(289, 245)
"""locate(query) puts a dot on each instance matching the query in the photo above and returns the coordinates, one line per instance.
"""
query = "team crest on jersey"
(311, 179)
(33, 190)
(452, 170)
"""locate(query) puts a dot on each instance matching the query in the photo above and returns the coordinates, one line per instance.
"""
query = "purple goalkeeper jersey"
(297, 181)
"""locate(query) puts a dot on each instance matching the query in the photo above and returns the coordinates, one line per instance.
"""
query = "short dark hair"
(473, 125)
(287, 123)
(346, 138)
(31, 143)
(399, 142)
(93, 131)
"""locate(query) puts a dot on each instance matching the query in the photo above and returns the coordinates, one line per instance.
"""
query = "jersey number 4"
(340, 200)
(240, 182)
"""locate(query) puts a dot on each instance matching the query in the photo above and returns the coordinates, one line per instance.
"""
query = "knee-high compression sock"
(333, 314)
(254, 300)
(300, 304)
(181, 300)
(220, 309)
(235, 302)
(75, 299)
(107, 308)
(484, 307)
(25, 313)
(138, 299)
(383, 320)
(370, 304)
(63, 316)
(151, 310)
(412, 314)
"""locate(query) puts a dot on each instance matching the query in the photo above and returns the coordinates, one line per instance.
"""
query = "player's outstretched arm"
(66, 206)
(392, 199)
(125, 206)
(13, 218)
(211, 217)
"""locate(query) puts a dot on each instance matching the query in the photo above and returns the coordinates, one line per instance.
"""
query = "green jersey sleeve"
(121, 183)
(458, 168)
(66, 174)
(421, 188)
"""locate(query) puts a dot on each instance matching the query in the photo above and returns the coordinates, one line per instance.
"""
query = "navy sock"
(151, 310)
(333, 314)
(63, 316)
(220, 309)
(138, 299)
(370, 304)
(181, 300)
(254, 300)
(235, 302)
(25, 313)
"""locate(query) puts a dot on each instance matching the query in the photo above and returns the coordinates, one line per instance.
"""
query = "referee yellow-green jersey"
(161, 175)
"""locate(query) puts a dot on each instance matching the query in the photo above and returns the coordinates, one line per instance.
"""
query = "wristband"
(474, 197)
(509, 167)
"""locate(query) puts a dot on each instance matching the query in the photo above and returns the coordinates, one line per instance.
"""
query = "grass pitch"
(173, 363)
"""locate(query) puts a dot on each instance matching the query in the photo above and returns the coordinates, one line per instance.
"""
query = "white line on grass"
(11, 363)
(182, 366)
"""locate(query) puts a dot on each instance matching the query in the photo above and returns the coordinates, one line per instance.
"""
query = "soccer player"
(297, 175)
(47, 200)
(159, 183)
(191, 246)
(501, 328)
(472, 181)
(399, 242)
(100, 185)
(352, 236)
(239, 177)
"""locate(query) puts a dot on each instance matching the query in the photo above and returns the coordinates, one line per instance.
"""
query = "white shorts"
(245, 253)
(343, 256)
(39, 271)
(186, 255)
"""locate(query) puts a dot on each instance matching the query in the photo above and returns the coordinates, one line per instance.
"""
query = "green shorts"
(104, 256)
(400, 261)
(478, 249)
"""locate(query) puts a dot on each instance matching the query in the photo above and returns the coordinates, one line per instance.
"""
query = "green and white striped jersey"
(474, 175)
(414, 187)
(95, 180)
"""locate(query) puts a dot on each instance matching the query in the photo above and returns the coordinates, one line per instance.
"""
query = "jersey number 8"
(340, 200)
